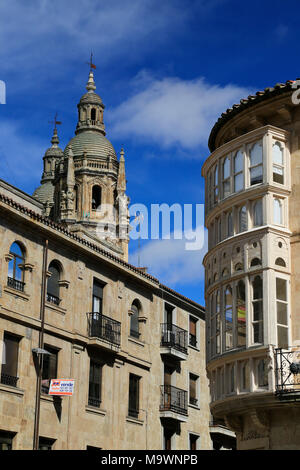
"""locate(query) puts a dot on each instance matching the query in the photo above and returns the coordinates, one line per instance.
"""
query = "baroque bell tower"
(90, 182)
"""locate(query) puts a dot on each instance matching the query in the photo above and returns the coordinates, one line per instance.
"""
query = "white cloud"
(173, 112)
(170, 262)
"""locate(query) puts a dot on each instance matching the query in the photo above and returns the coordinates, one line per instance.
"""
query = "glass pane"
(258, 219)
(262, 373)
(241, 313)
(226, 168)
(239, 162)
(282, 333)
(10, 356)
(281, 289)
(226, 188)
(256, 154)
(257, 310)
(134, 320)
(257, 288)
(238, 182)
(11, 268)
(277, 154)
(16, 250)
(282, 313)
(229, 225)
(256, 175)
(277, 212)
(53, 286)
(258, 332)
(278, 175)
(243, 225)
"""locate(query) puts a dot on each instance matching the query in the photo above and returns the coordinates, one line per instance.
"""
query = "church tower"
(90, 183)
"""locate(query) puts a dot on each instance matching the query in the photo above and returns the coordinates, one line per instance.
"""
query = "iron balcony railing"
(287, 373)
(95, 402)
(173, 399)
(105, 328)
(9, 380)
(15, 284)
(173, 336)
(52, 299)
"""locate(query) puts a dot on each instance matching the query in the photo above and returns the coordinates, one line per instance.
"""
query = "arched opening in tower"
(96, 198)
(93, 114)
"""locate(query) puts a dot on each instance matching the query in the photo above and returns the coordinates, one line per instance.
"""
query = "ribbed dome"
(93, 143)
(45, 192)
(91, 98)
(54, 152)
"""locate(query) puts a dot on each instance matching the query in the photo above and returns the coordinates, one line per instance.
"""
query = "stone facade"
(135, 348)
(252, 185)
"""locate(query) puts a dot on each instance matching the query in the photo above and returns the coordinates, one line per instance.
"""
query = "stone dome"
(91, 98)
(94, 143)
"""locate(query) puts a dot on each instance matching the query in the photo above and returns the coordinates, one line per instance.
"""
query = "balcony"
(173, 403)
(104, 332)
(287, 374)
(174, 341)
(15, 284)
(52, 299)
(9, 380)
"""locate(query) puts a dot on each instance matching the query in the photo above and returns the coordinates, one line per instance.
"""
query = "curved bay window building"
(252, 269)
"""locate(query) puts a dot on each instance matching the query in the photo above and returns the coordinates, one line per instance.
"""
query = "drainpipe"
(40, 355)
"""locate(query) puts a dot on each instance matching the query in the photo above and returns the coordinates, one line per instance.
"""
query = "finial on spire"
(90, 63)
(55, 140)
(91, 87)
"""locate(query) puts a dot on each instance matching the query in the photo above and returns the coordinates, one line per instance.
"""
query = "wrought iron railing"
(105, 328)
(193, 401)
(9, 380)
(173, 399)
(52, 299)
(15, 284)
(287, 373)
(173, 336)
(94, 402)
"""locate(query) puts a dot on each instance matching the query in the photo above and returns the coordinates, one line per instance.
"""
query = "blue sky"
(166, 70)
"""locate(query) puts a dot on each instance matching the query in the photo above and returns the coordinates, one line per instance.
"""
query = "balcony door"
(97, 308)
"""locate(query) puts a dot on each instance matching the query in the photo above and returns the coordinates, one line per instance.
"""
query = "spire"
(91, 86)
(55, 139)
(121, 184)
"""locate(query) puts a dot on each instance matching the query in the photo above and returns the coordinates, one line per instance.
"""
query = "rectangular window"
(6, 440)
(226, 177)
(97, 296)
(134, 391)
(95, 380)
(194, 442)
(10, 353)
(282, 313)
(193, 331)
(193, 390)
(257, 309)
(216, 185)
(278, 164)
(49, 368)
(45, 443)
(256, 164)
(238, 171)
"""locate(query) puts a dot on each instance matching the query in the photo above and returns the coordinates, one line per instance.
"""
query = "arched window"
(218, 323)
(96, 197)
(228, 318)
(53, 283)
(134, 319)
(278, 168)
(255, 262)
(280, 262)
(238, 267)
(257, 214)
(241, 313)
(256, 164)
(262, 373)
(76, 197)
(225, 272)
(93, 114)
(15, 267)
(226, 177)
(277, 206)
(238, 171)
(243, 222)
(257, 309)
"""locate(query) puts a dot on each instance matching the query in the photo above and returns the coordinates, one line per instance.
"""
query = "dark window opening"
(193, 331)
(6, 440)
(49, 370)
(93, 114)
(133, 403)
(97, 296)
(53, 284)
(193, 442)
(96, 197)
(255, 262)
(134, 320)
(193, 390)
(45, 443)
(10, 360)
(95, 380)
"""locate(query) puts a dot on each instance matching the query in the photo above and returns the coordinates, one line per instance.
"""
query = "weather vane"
(90, 63)
(55, 122)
